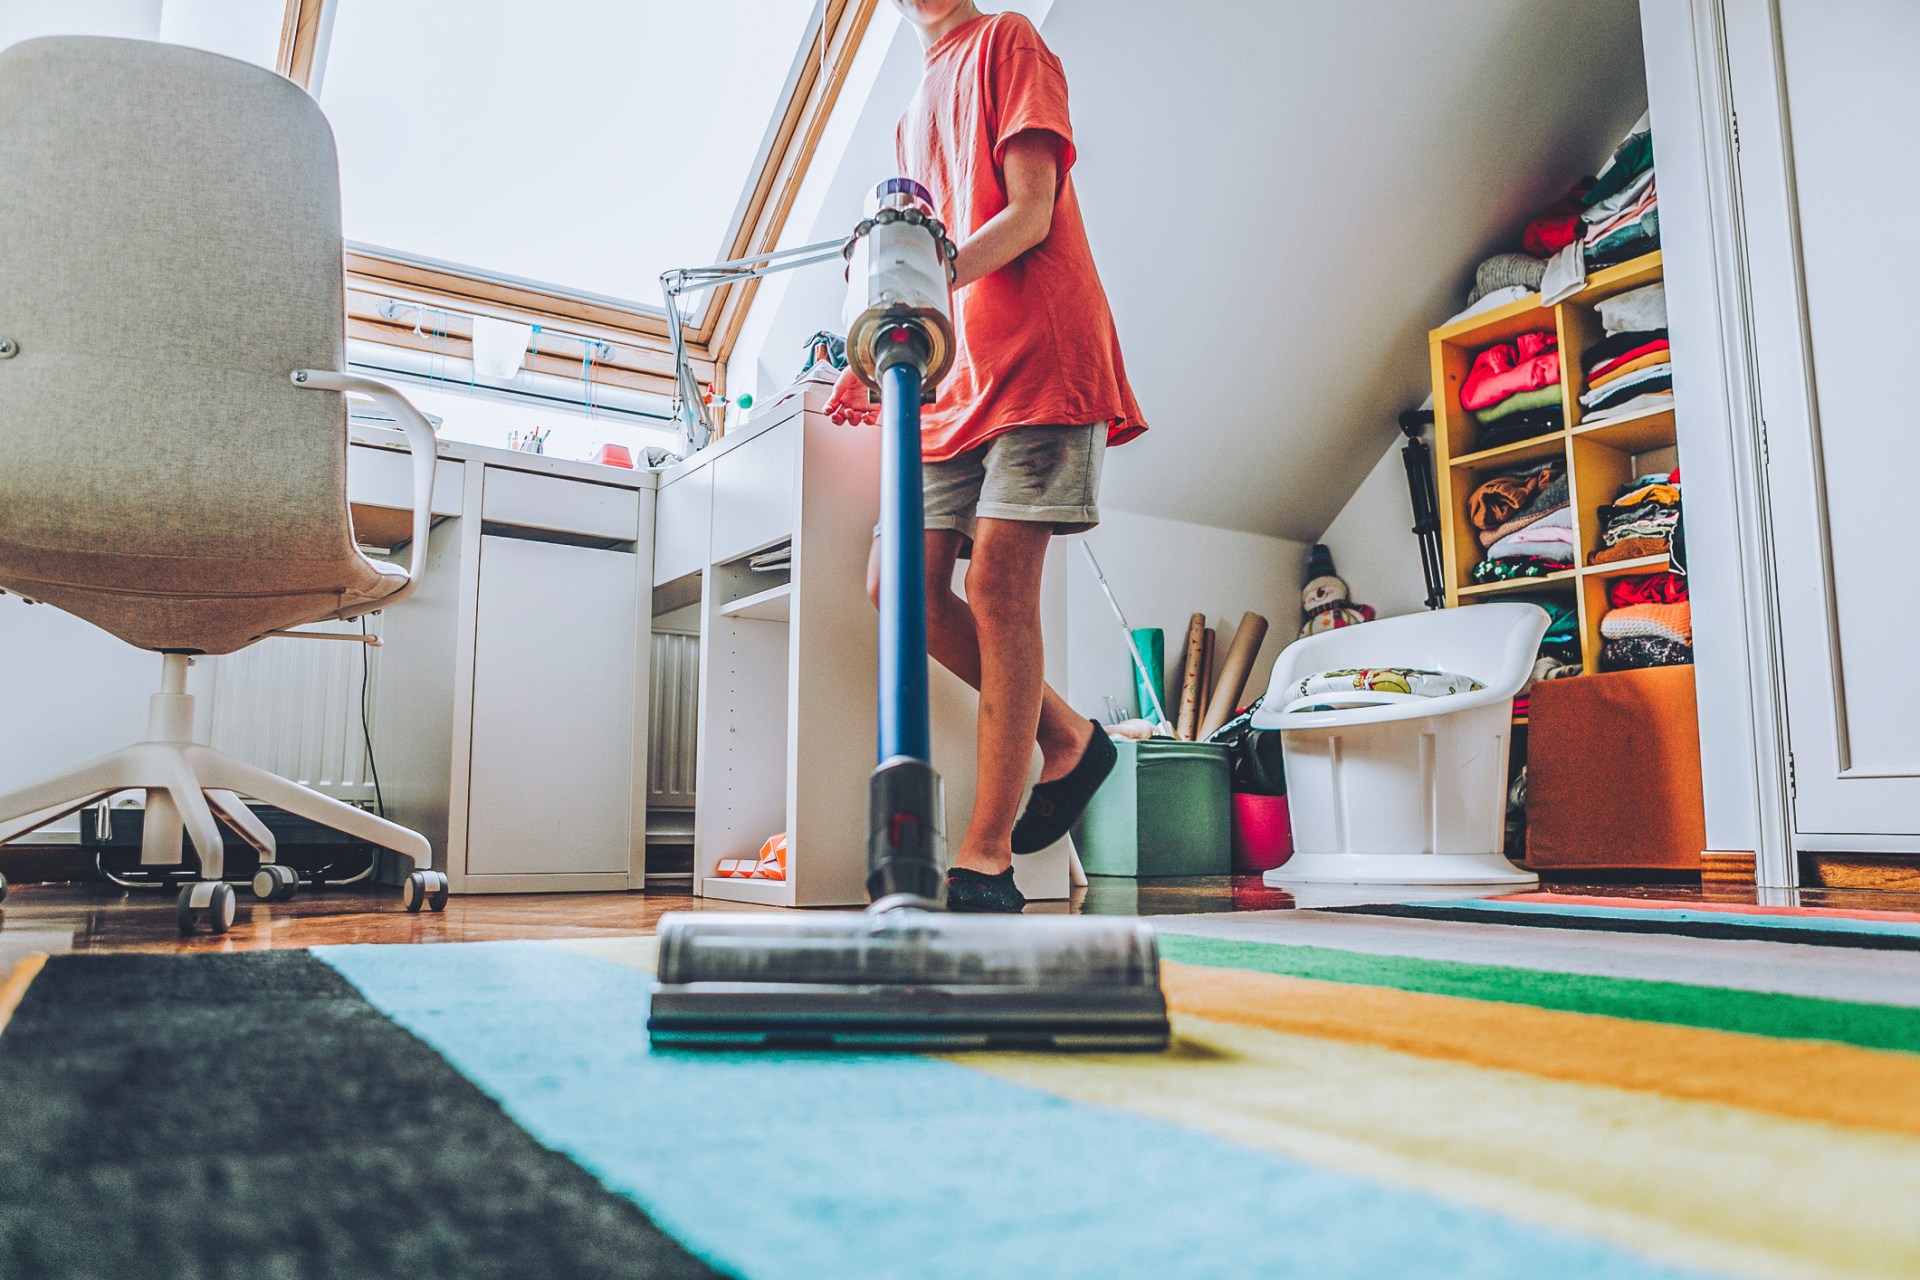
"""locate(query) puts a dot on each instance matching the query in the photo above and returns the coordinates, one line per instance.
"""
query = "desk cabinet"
(553, 734)
(512, 694)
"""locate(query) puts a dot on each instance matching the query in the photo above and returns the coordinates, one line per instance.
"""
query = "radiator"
(674, 723)
(293, 708)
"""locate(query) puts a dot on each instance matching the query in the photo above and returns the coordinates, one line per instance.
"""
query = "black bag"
(1253, 755)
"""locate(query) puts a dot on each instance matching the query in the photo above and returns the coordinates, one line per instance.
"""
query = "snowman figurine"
(1324, 598)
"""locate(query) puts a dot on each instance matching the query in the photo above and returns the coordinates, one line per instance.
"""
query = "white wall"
(1163, 572)
(1372, 541)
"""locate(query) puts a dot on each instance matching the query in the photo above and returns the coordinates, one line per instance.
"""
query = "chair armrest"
(421, 445)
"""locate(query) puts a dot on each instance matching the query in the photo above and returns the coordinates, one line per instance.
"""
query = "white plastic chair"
(1410, 790)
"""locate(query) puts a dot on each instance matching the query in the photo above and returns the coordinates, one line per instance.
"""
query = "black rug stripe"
(249, 1116)
(1610, 924)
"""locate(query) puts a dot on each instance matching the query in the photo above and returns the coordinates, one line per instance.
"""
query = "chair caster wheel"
(424, 889)
(275, 882)
(210, 903)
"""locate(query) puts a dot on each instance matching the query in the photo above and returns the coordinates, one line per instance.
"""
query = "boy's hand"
(849, 404)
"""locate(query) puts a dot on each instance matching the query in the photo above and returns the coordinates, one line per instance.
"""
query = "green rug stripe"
(1871, 1026)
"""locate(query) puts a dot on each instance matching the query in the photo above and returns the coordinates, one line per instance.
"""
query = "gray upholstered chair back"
(171, 252)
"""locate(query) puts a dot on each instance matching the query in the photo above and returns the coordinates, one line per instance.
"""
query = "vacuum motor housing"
(899, 274)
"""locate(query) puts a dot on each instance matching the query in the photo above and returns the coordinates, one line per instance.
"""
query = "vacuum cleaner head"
(907, 979)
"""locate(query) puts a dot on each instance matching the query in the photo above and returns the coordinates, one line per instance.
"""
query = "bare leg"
(953, 639)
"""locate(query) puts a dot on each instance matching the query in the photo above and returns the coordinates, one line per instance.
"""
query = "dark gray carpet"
(252, 1116)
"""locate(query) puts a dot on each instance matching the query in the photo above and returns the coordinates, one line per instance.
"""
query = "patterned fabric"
(1515, 567)
(1634, 652)
(1410, 681)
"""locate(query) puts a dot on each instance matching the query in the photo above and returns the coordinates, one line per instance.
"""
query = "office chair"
(173, 415)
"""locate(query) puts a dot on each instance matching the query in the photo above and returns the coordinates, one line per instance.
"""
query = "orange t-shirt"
(1035, 344)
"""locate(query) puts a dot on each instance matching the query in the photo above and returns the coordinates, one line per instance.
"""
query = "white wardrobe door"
(1833, 205)
(553, 745)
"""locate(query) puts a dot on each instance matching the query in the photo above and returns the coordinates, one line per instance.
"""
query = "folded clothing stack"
(1513, 389)
(1619, 215)
(1630, 370)
(1559, 655)
(1524, 522)
(1641, 520)
(1650, 624)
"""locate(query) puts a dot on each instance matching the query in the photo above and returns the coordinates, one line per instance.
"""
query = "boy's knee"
(1000, 593)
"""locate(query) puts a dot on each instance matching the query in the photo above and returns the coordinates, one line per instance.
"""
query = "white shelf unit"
(788, 669)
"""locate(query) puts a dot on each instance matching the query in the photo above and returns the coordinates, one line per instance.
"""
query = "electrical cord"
(366, 729)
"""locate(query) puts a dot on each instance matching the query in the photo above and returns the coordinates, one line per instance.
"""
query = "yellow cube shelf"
(1599, 457)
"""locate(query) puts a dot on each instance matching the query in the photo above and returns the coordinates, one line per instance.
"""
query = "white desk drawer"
(384, 478)
(753, 492)
(682, 525)
(566, 506)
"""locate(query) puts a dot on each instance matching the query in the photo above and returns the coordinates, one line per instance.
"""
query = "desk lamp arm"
(690, 410)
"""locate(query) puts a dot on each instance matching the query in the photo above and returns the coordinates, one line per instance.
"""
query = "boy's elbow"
(1039, 224)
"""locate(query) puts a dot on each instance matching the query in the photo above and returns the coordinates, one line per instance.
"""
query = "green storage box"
(1165, 810)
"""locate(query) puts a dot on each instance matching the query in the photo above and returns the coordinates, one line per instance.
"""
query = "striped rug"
(1472, 1091)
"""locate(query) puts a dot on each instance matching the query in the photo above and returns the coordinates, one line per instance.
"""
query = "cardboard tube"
(1234, 670)
(1190, 711)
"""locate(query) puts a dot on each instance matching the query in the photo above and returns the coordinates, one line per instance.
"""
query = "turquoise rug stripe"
(1766, 1013)
(1761, 920)
(804, 1166)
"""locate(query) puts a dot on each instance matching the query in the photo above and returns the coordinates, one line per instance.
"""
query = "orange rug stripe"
(1803, 1079)
(14, 987)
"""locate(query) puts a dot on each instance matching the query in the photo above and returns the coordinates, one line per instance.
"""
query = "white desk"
(509, 698)
(512, 710)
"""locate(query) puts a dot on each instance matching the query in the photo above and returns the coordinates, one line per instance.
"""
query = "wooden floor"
(88, 917)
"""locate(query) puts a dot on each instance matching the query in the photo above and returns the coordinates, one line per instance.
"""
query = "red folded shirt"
(1528, 363)
(1658, 344)
(1654, 588)
(1557, 225)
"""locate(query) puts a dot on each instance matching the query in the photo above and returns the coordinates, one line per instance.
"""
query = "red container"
(1262, 840)
(614, 455)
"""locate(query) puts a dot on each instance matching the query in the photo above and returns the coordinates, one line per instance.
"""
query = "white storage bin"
(1412, 791)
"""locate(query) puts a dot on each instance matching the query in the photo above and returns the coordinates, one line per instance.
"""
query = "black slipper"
(1055, 806)
(976, 891)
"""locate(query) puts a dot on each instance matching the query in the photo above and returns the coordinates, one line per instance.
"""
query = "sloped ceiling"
(1284, 196)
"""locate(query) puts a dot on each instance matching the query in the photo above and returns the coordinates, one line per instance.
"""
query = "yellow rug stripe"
(1694, 1183)
(1804, 1079)
(15, 985)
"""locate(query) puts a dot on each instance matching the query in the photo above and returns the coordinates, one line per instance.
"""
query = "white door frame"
(1727, 366)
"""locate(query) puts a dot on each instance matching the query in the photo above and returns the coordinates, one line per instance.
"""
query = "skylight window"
(582, 145)
(247, 29)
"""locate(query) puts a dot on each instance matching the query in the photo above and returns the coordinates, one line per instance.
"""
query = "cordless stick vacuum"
(904, 974)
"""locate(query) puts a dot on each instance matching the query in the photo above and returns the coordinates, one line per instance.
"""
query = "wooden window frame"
(641, 355)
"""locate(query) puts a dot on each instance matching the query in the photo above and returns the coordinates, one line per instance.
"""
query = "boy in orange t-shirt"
(1013, 446)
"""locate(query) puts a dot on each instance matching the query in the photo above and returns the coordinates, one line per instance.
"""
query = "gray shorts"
(1046, 474)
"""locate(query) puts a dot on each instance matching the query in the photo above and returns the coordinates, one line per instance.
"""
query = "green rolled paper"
(1152, 644)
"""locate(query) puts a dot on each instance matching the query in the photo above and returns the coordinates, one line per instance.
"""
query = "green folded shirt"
(1520, 402)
